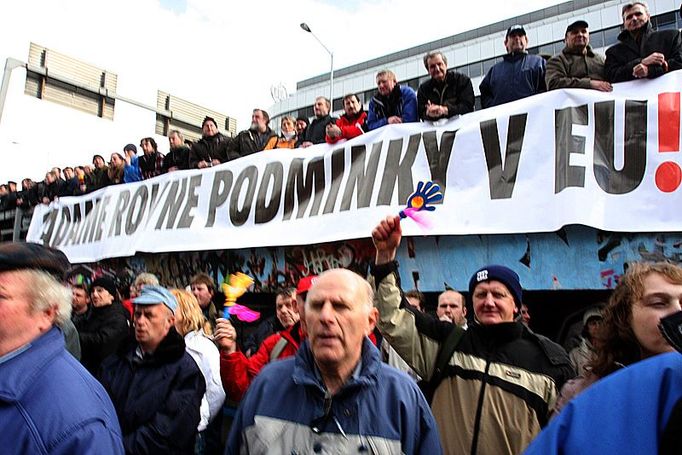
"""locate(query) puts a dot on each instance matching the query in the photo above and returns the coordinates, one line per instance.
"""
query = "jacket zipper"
(479, 410)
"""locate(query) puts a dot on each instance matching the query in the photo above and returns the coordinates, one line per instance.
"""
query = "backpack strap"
(279, 347)
(444, 354)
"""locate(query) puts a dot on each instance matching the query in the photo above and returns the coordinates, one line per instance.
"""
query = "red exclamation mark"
(668, 173)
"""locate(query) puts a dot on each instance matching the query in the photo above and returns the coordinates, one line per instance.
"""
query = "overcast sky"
(225, 55)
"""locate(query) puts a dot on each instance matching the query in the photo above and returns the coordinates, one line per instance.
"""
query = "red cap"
(305, 283)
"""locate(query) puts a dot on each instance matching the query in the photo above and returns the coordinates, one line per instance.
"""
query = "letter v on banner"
(502, 178)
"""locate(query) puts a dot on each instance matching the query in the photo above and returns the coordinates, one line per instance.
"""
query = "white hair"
(44, 292)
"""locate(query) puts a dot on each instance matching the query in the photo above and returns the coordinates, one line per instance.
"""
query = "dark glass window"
(611, 36)
(474, 69)
(596, 40)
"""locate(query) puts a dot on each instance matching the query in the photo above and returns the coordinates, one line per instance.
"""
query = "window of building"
(611, 36)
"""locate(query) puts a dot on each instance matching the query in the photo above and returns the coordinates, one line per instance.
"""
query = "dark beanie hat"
(24, 255)
(130, 147)
(106, 283)
(502, 274)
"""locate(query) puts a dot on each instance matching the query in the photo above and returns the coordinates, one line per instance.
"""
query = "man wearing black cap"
(48, 401)
(493, 384)
(154, 383)
(642, 52)
(517, 76)
(211, 149)
(577, 66)
(106, 326)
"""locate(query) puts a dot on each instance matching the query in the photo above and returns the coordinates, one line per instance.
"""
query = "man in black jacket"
(155, 385)
(317, 130)
(642, 52)
(447, 93)
(177, 158)
(211, 149)
(252, 140)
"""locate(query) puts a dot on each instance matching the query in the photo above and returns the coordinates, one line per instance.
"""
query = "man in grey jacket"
(577, 66)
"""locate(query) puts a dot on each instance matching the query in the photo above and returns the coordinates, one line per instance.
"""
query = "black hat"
(95, 156)
(577, 24)
(130, 147)
(500, 273)
(24, 255)
(515, 30)
(106, 283)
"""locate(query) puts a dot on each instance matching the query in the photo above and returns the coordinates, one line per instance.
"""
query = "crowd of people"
(86, 366)
(641, 53)
(347, 364)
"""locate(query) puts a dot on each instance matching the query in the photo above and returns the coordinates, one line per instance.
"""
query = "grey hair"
(629, 6)
(44, 292)
(433, 54)
(145, 279)
(177, 133)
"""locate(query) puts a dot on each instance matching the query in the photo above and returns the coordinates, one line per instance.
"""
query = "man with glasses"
(335, 395)
(495, 383)
(641, 52)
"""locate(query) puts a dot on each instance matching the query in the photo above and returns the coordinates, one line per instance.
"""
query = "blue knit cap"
(500, 273)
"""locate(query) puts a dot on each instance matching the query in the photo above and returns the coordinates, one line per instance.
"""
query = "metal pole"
(306, 28)
(10, 64)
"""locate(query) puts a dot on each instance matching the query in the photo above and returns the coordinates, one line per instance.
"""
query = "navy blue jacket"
(49, 403)
(518, 76)
(378, 410)
(157, 398)
(635, 410)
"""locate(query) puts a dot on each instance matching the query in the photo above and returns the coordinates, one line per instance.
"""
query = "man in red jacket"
(236, 370)
(351, 124)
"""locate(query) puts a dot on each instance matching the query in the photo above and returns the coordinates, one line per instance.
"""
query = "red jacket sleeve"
(237, 371)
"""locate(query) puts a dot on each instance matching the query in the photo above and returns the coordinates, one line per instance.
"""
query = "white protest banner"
(606, 160)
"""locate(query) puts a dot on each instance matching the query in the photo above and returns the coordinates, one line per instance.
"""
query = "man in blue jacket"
(393, 104)
(154, 383)
(517, 76)
(49, 403)
(335, 395)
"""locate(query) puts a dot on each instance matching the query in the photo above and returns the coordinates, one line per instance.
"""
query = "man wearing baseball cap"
(577, 66)
(493, 384)
(49, 403)
(155, 385)
(517, 76)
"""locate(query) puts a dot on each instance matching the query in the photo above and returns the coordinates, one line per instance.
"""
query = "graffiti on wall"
(575, 257)
(271, 268)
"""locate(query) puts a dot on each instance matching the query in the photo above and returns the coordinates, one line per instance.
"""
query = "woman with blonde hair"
(287, 138)
(193, 326)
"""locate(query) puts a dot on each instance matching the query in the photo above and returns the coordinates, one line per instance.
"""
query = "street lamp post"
(305, 27)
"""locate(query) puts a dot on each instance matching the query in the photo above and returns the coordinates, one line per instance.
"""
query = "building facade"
(474, 52)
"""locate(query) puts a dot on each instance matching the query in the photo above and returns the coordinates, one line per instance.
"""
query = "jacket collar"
(306, 373)
(625, 36)
(171, 349)
(588, 51)
(18, 373)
